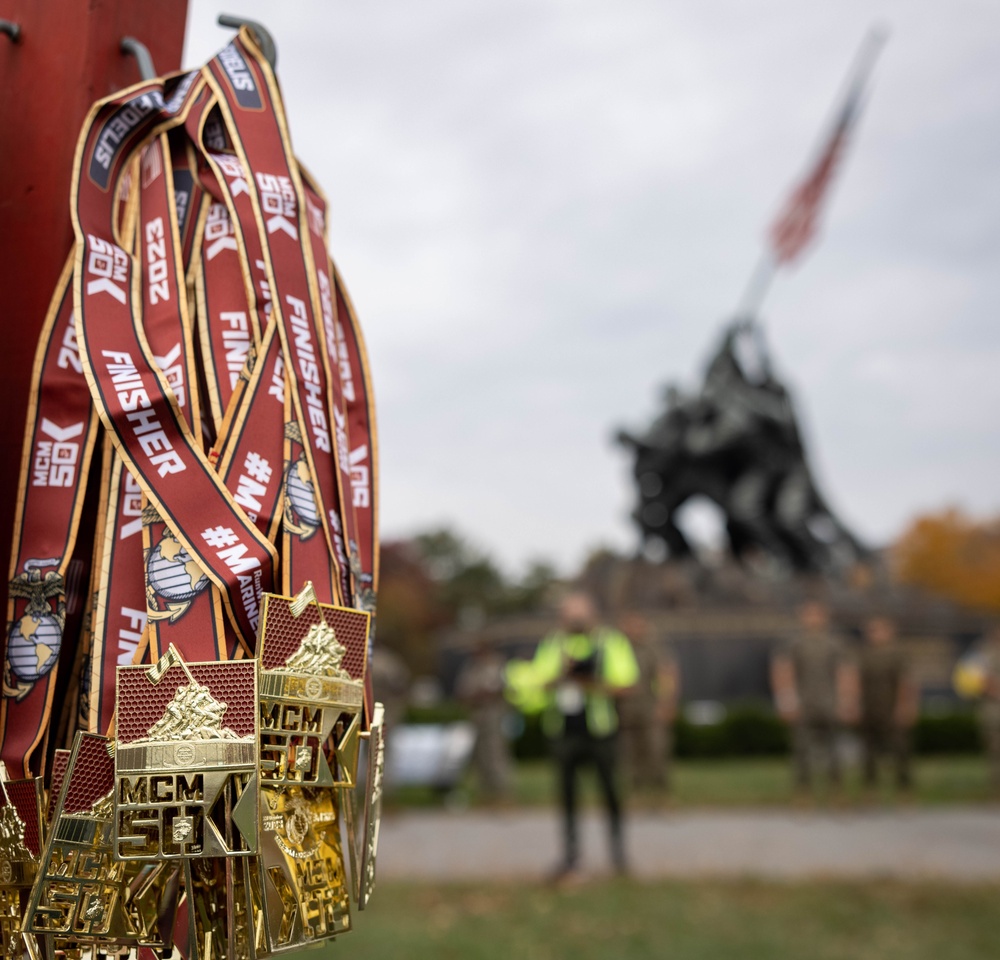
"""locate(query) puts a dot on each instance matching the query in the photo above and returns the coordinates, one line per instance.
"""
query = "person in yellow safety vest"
(573, 680)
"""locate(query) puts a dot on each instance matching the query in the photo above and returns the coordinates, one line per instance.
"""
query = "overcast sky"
(545, 209)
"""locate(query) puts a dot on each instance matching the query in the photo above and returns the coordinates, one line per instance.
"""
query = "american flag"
(796, 226)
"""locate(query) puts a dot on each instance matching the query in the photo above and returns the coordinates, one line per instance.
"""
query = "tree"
(410, 611)
(436, 580)
(953, 555)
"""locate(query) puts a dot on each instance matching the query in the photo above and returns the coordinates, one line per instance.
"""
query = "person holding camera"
(573, 680)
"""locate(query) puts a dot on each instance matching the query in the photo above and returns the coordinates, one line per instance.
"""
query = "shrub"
(748, 729)
(956, 732)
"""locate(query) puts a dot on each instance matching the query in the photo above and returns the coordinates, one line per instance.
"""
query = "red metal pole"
(68, 56)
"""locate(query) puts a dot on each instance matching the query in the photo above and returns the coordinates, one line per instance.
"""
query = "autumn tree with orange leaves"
(953, 555)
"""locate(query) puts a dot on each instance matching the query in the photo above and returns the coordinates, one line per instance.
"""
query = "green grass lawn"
(627, 920)
(741, 782)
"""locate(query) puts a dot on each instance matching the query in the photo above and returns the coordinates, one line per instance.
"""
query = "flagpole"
(767, 265)
(757, 287)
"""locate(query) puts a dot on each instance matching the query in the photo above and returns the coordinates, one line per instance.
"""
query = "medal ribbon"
(59, 441)
(136, 403)
(182, 607)
(251, 108)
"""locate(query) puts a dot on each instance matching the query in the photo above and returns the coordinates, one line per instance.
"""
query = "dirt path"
(961, 843)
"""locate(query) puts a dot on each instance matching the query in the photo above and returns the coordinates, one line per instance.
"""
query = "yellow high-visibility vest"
(528, 681)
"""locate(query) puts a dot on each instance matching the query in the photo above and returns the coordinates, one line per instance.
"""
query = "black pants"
(571, 752)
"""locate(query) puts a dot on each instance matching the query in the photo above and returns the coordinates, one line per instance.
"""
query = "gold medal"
(186, 760)
(20, 850)
(313, 661)
(363, 827)
(186, 791)
(373, 805)
(83, 896)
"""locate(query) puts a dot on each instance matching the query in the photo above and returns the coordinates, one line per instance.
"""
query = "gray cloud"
(545, 209)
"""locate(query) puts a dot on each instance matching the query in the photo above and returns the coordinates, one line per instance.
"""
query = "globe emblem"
(184, 755)
(172, 573)
(299, 491)
(298, 824)
(33, 646)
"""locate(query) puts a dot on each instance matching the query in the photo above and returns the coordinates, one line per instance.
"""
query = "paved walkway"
(959, 843)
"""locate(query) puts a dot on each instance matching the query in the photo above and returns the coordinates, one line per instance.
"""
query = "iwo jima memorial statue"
(736, 441)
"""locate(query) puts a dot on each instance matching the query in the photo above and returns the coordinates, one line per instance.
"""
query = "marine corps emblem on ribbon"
(173, 577)
(34, 640)
(301, 512)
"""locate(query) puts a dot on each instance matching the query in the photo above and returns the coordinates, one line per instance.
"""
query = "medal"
(82, 896)
(205, 809)
(186, 786)
(373, 805)
(313, 661)
(186, 760)
(20, 849)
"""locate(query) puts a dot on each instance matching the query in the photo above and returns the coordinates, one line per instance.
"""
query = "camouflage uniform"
(882, 672)
(481, 684)
(816, 657)
(646, 739)
(989, 712)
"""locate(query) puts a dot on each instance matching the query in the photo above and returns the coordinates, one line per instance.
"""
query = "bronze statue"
(737, 442)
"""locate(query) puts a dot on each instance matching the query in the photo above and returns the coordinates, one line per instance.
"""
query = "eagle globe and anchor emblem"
(301, 515)
(173, 576)
(34, 639)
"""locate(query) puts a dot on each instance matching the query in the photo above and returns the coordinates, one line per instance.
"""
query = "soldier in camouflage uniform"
(888, 702)
(481, 686)
(989, 707)
(815, 689)
(647, 712)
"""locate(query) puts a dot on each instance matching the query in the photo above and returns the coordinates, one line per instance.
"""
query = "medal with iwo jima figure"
(313, 658)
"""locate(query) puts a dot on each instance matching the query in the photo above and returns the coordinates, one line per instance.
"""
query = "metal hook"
(13, 30)
(264, 39)
(140, 51)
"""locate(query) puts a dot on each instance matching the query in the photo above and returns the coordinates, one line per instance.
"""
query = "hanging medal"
(313, 659)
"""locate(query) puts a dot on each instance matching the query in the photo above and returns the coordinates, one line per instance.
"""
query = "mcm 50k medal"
(83, 896)
(373, 806)
(186, 760)
(313, 658)
(20, 849)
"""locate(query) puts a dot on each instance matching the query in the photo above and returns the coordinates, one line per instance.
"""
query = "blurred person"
(574, 678)
(889, 702)
(989, 705)
(816, 692)
(480, 686)
(647, 713)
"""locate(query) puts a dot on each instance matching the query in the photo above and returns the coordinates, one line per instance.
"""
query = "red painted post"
(67, 57)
